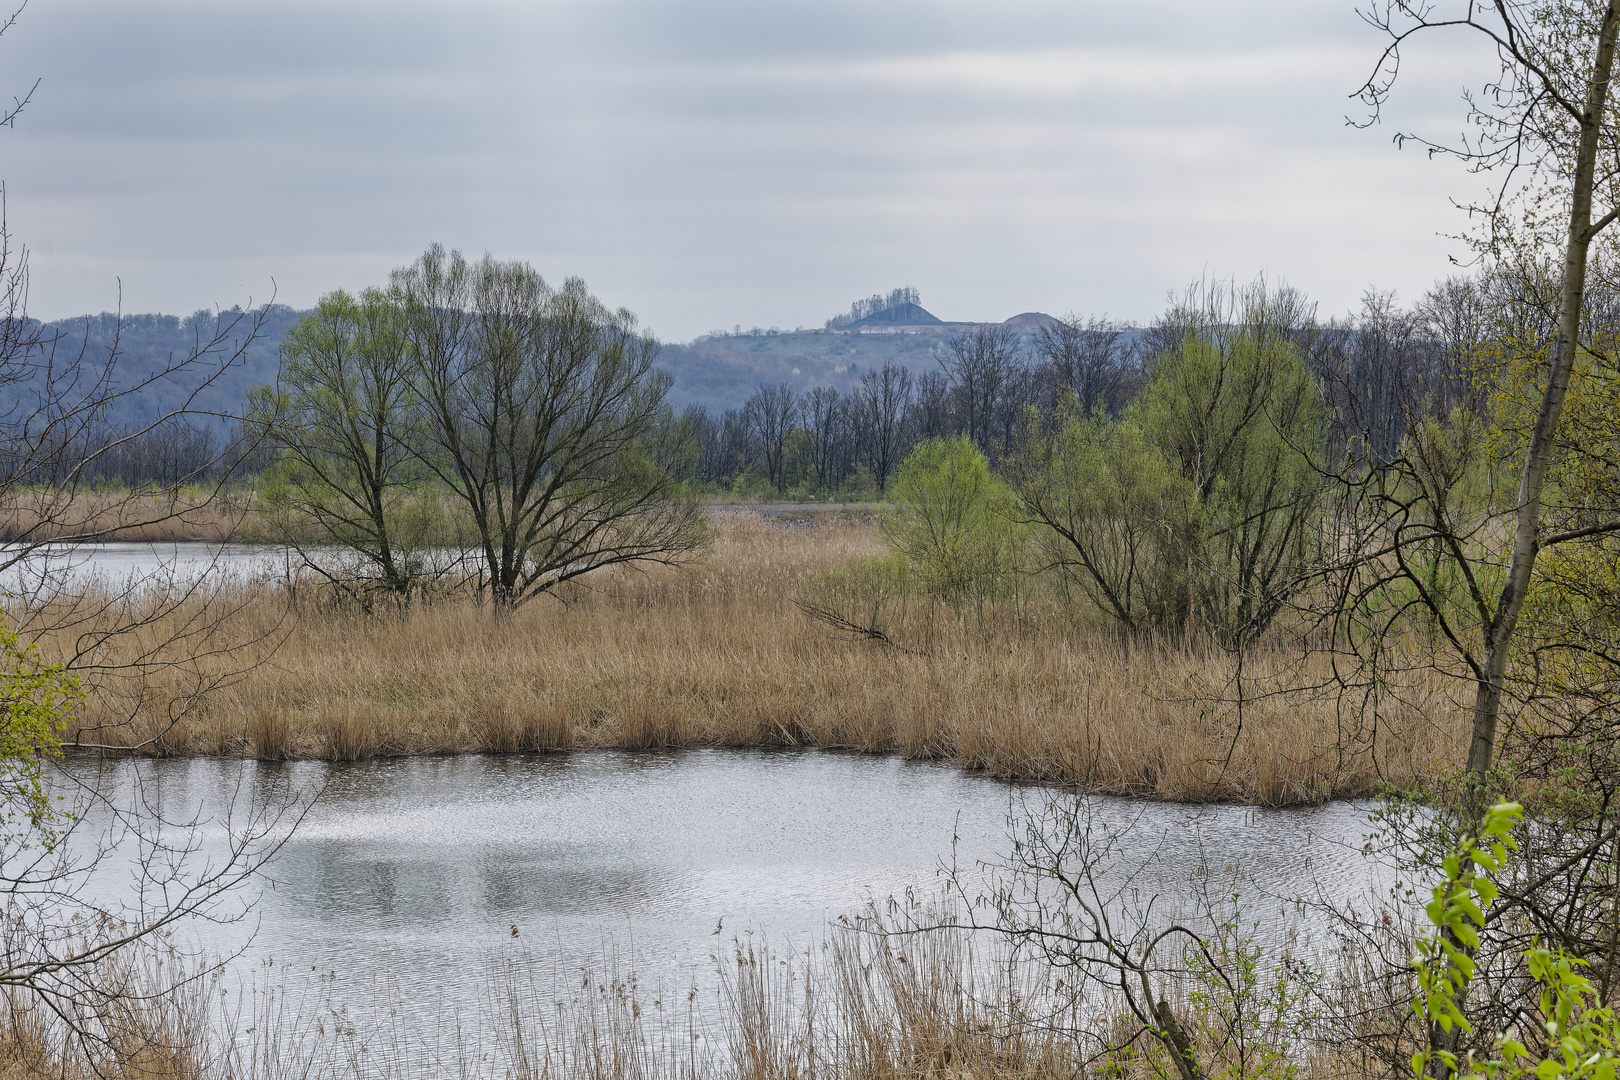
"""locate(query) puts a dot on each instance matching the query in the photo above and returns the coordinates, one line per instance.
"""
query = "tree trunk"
(1527, 516)
(1499, 635)
(1181, 1047)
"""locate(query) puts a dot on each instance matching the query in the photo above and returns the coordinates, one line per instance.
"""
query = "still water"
(142, 564)
(411, 871)
(130, 565)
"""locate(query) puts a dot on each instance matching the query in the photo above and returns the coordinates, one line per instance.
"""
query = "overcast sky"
(719, 162)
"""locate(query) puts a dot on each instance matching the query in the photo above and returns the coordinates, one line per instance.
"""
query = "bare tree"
(86, 903)
(1122, 955)
(982, 364)
(706, 429)
(1409, 536)
(1090, 359)
(886, 396)
(770, 414)
(933, 413)
(825, 419)
(56, 441)
(9, 114)
(146, 650)
(1453, 316)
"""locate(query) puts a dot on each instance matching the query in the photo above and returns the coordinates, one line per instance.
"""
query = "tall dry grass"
(151, 1014)
(147, 517)
(718, 654)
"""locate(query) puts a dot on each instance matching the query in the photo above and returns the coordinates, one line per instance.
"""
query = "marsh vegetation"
(719, 653)
(1242, 555)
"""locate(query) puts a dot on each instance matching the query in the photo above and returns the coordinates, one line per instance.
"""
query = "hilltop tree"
(873, 305)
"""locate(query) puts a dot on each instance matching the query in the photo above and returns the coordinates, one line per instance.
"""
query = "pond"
(412, 872)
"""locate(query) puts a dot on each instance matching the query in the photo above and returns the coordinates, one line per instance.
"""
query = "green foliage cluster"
(1114, 514)
(349, 476)
(1573, 1035)
(1239, 422)
(956, 547)
(1565, 671)
(36, 698)
(953, 524)
(1195, 510)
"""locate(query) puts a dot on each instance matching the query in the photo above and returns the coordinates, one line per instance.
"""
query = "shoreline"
(973, 772)
(203, 522)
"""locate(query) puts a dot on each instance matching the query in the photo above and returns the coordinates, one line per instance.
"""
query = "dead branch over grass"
(719, 655)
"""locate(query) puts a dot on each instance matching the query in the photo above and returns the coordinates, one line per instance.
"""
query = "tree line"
(824, 440)
(874, 304)
(990, 379)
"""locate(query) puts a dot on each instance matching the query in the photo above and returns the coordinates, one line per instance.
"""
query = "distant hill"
(722, 371)
(719, 371)
(1030, 322)
(147, 344)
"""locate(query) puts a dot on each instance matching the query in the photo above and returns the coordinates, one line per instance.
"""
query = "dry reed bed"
(718, 654)
(147, 517)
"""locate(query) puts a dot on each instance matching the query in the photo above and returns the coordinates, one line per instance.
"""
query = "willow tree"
(542, 412)
(1198, 506)
(348, 491)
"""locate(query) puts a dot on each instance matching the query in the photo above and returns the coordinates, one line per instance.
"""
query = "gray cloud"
(719, 162)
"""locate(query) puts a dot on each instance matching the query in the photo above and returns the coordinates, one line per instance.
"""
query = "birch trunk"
(1499, 635)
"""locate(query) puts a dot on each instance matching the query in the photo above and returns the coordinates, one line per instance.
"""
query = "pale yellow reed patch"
(718, 654)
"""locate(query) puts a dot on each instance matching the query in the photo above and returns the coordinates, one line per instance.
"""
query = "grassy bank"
(718, 654)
